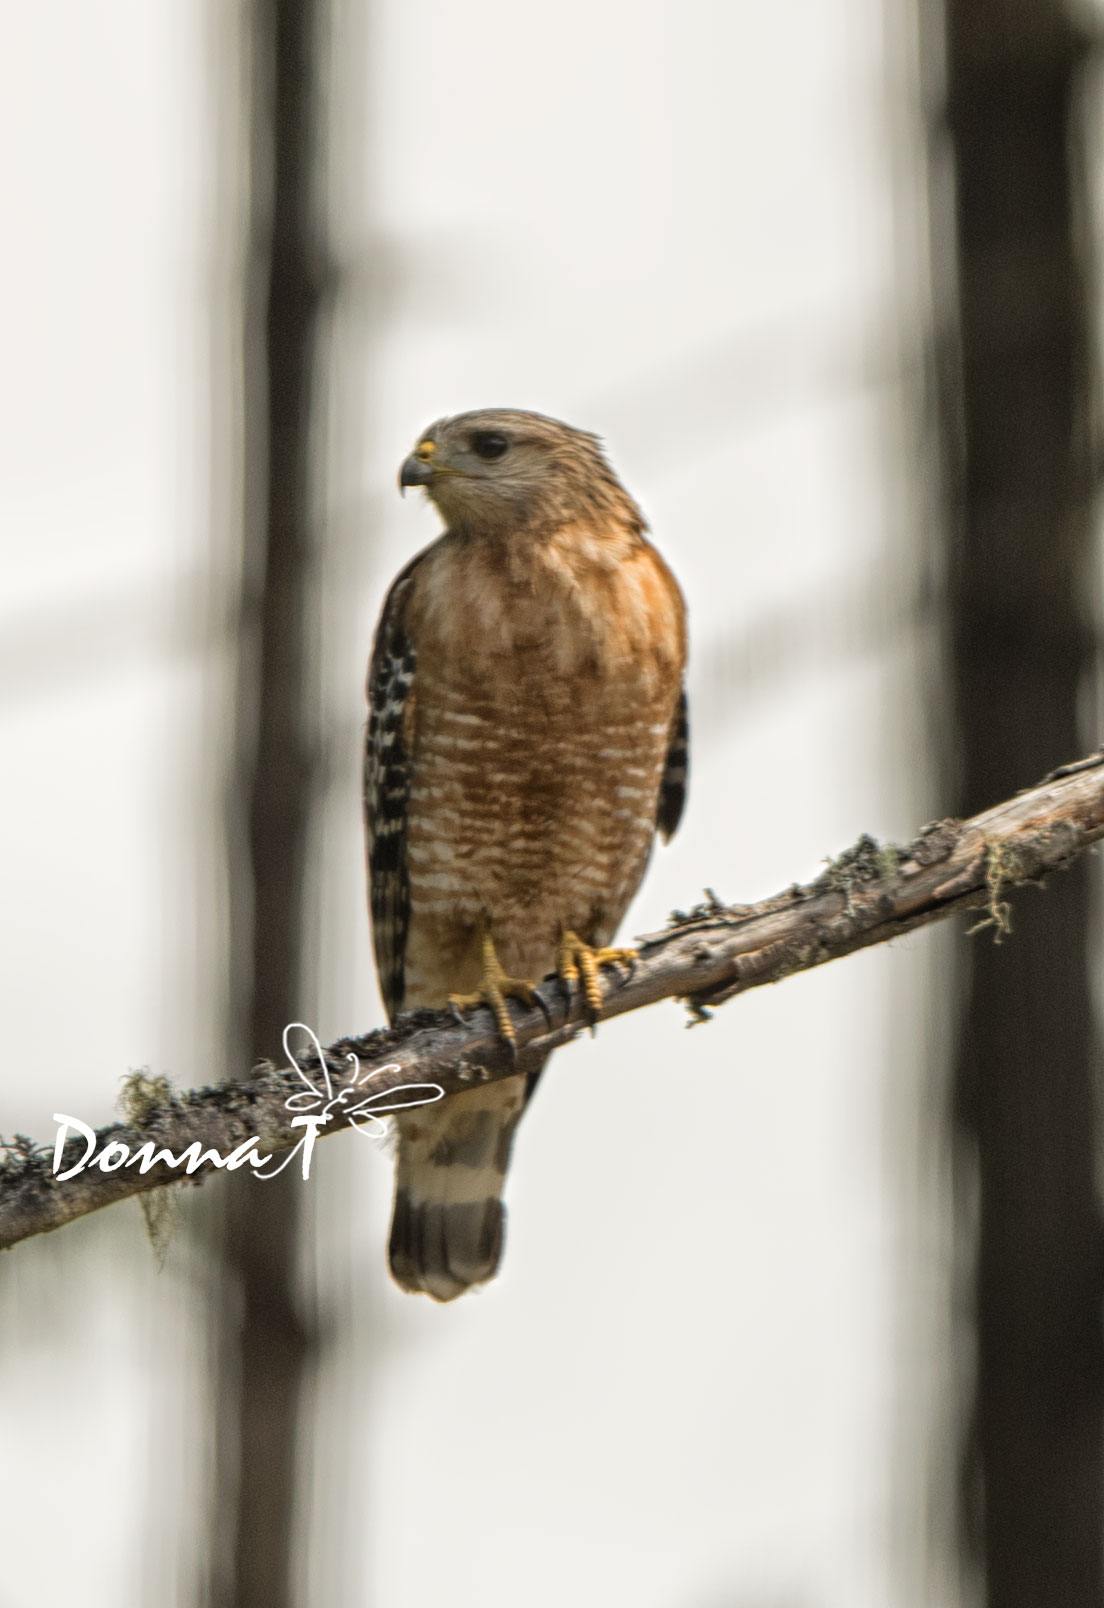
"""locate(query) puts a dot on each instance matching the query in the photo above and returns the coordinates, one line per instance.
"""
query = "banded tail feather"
(448, 1224)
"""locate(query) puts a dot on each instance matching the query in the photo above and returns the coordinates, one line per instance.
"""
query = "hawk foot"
(576, 959)
(495, 987)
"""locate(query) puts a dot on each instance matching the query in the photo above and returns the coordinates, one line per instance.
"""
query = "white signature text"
(320, 1106)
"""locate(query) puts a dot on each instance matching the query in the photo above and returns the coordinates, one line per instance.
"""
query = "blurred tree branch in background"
(1019, 444)
(267, 1335)
(869, 895)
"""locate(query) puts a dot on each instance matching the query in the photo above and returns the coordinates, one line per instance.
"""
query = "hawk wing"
(387, 771)
(672, 789)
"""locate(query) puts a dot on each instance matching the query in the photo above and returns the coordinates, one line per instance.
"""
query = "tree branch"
(869, 895)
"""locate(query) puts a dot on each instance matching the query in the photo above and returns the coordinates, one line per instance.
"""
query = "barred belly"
(532, 810)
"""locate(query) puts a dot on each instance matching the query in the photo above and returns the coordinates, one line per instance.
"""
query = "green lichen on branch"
(140, 1098)
(20, 1153)
(1004, 865)
(142, 1095)
(867, 861)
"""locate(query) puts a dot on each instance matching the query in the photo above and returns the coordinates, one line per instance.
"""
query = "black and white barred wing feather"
(672, 790)
(387, 777)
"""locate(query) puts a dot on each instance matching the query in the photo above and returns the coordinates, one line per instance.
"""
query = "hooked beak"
(414, 472)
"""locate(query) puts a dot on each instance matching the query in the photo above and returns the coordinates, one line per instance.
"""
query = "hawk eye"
(488, 444)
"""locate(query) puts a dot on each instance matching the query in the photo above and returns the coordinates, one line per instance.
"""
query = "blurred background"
(800, 1310)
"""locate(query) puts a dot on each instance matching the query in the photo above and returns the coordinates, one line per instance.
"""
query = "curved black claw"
(458, 1016)
(538, 1000)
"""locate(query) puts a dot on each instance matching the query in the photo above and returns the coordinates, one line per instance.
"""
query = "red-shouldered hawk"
(527, 735)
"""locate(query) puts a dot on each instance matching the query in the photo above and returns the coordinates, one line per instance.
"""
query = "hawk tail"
(448, 1222)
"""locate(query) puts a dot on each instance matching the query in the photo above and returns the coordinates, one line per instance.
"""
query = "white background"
(713, 1372)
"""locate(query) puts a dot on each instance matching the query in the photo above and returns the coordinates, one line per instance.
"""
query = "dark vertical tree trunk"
(267, 1339)
(1018, 420)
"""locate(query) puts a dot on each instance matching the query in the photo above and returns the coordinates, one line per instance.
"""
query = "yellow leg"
(577, 958)
(495, 987)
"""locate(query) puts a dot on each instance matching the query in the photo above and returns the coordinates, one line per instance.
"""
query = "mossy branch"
(866, 896)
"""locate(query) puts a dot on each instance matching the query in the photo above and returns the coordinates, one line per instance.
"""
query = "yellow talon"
(575, 957)
(495, 987)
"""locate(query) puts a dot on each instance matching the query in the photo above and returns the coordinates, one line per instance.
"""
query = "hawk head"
(500, 471)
